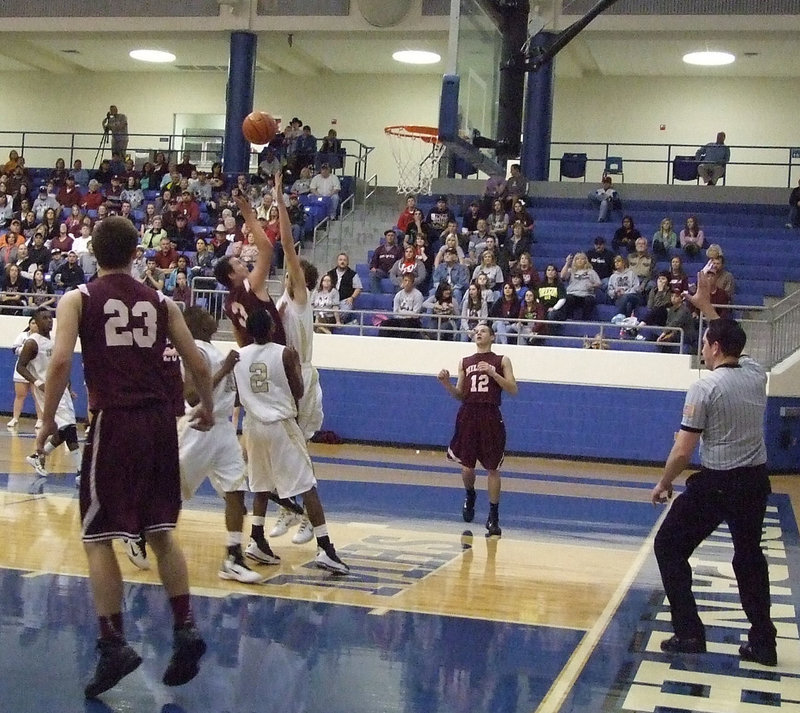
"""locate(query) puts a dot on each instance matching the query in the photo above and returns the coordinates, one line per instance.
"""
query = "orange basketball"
(259, 127)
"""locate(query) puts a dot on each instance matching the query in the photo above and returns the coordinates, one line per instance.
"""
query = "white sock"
(234, 538)
(258, 520)
(321, 530)
(48, 447)
(75, 459)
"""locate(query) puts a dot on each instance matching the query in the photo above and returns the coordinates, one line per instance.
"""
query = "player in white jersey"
(21, 386)
(216, 454)
(297, 317)
(270, 385)
(32, 365)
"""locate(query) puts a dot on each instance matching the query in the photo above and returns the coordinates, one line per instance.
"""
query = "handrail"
(370, 188)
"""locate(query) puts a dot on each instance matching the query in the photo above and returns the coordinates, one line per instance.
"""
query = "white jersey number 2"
(119, 332)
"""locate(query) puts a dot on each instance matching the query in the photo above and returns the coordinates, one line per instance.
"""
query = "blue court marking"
(615, 678)
(506, 474)
(271, 655)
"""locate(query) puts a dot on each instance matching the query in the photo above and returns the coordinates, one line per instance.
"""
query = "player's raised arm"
(68, 317)
(260, 271)
(294, 375)
(196, 365)
(457, 391)
(290, 258)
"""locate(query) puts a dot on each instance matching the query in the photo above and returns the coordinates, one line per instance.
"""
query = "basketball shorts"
(214, 454)
(309, 410)
(277, 457)
(65, 411)
(130, 481)
(480, 436)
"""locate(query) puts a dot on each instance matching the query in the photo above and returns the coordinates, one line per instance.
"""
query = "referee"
(725, 412)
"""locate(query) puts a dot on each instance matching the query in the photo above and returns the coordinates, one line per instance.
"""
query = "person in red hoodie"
(70, 194)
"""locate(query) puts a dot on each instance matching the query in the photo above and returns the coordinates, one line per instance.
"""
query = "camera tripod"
(102, 147)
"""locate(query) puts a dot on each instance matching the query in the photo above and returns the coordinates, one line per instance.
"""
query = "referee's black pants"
(739, 498)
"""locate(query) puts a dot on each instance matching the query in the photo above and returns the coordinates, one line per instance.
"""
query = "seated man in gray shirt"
(713, 159)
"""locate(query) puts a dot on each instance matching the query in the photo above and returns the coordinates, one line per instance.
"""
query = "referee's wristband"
(39, 383)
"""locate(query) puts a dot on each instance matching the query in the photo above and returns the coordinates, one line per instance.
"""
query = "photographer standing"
(117, 125)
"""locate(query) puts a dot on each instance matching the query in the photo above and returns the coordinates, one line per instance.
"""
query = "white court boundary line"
(554, 698)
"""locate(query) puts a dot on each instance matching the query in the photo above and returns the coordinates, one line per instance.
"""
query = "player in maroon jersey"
(480, 434)
(247, 290)
(130, 479)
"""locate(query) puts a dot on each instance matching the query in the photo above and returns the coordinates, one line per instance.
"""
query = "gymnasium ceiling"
(346, 40)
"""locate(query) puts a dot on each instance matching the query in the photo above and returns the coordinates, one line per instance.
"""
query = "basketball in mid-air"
(259, 127)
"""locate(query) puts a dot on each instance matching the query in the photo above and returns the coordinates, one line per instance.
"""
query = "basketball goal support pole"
(239, 100)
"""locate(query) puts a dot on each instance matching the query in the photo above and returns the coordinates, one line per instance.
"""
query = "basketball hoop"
(417, 151)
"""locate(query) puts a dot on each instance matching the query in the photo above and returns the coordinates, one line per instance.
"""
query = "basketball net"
(417, 151)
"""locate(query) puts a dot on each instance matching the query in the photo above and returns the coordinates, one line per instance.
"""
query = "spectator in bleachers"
(724, 279)
(269, 166)
(527, 271)
(188, 207)
(643, 264)
(691, 238)
(14, 291)
(291, 133)
(44, 200)
(171, 181)
(69, 195)
(21, 195)
(132, 193)
(248, 253)
(63, 241)
(659, 301)
(474, 311)
(80, 244)
(23, 261)
(664, 239)
(530, 308)
(8, 247)
(327, 184)
(714, 158)
(602, 260)
(424, 254)
(50, 224)
(126, 212)
(325, 302)
(450, 242)
(623, 287)
(58, 176)
(93, 198)
(12, 163)
(408, 264)
(28, 225)
(57, 259)
(407, 216)
(182, 292)
(103, 174)
(79, 173)
(443, 306)
(201, 188)
(139, 264)
(130, 170)
(219, 243)
(489, 295)
(504, 313)
(6, 210)
(469, 224)
(451, 272)
(406, 308)
(74, 220)
(479, 241)
(347, 284)
(606, 198)
(793, 221)
(521, 214)
(148, 181)
(203, 260)
(297, 217)
(151, 237)
(18, 178)
(70, 274)
(451, 229)
(264, 206)
(518, 244)
(180, 234)
(16, 227)
(488, 266)
(305, 149)
(626, 235)
(302, 185)
(166, 257)
(40, 291)
(582, 283)
(38, 252)
(383, 259)
(497, 221)
(416, 225)
(147, 220)
(678, 316)
(331, 144)
(494, 189)
(678, 279)
(216, 178)
(160, 169)
(516, 186)
(440, 215)
(88, 262)
(185, 167)
(153, 277)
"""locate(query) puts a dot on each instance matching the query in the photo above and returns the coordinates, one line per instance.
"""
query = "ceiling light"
(416, 57)
(158, 56)
(707, 58)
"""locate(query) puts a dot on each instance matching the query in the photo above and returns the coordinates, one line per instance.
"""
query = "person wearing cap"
(602, 260)
(219, 242)
(38, 251)
(606, 198)
(305, 149)
(57, 259)
(440, 215)
(470, 222)
(44, 201)
(327, 184)
(383, 259)
(69, 275)
(181, 234)
(70, 194)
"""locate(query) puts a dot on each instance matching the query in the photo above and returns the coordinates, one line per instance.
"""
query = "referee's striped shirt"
(727, 408)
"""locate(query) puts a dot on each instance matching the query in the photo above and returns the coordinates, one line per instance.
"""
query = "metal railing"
(646, 163)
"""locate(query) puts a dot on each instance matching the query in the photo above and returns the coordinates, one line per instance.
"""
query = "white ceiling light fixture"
(416, 57)
(157, 56)
(709, 58)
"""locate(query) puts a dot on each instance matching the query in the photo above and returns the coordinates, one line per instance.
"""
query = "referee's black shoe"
(686, 645)
(468, 510)
(765, 655)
